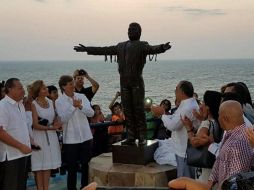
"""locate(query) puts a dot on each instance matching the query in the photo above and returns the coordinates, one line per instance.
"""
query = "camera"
(82, 72)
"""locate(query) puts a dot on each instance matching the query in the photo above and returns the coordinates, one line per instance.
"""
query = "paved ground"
(56, 183)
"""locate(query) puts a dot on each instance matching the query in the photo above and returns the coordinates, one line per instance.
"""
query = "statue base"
(105, 173)
(134, 154)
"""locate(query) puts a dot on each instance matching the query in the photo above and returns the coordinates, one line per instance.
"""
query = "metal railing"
(113, 123)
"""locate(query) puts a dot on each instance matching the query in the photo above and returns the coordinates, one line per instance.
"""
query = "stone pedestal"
(105, 173)
(134, 154)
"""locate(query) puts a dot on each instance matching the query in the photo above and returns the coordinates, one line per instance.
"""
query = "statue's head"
(134, 31)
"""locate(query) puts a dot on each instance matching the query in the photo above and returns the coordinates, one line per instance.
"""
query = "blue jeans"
(183, 170)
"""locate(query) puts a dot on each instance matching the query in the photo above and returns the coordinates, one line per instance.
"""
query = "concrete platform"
(105, 173)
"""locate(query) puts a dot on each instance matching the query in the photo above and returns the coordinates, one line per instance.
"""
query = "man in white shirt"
(14, 138)
(73, 110)
(184, 94)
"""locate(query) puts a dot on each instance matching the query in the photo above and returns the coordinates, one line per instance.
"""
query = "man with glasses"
(14, 138)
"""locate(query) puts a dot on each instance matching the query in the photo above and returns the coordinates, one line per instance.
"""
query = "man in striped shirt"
(236, 153)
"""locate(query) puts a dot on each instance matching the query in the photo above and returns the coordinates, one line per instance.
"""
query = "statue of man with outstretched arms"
(131, 58)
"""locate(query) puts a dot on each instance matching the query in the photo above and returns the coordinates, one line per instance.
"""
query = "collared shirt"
(174, 124)
(214, 147)
(76, 128)
(235, 156)
(13, 121)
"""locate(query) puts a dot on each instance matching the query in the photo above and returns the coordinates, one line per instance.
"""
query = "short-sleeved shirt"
(13, 121)
(88, 92)
(116, 129)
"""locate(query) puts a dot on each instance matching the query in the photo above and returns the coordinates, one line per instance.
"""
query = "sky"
(196, 29)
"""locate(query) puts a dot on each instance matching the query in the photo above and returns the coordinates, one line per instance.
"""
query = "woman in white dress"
(49, 156)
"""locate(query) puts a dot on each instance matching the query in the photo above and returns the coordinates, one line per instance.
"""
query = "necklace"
(43, 103)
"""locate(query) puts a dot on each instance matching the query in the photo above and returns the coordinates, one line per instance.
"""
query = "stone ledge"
(105, 173)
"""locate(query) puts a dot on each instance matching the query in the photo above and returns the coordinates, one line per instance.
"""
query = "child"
(116, 131)
(100, 135)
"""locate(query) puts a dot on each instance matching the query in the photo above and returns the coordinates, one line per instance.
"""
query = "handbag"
(241, 181)
(200, 156)
(44, 122)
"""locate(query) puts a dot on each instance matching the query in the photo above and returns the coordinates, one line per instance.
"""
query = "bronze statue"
(131, 57)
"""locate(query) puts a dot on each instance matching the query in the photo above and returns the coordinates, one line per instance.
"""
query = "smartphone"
(34, 147)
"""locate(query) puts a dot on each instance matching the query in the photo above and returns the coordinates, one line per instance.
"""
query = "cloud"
(41, 1)
(204, 11)
(196, 11)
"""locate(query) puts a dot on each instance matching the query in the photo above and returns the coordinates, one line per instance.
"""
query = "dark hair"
(187, 88)
(2, 89)
(242, 90)
(115, 105)
(2, 84)
(51, 88)
(246, 93)
(166, 102)
(64, 79)
(223, 88)
(10, 84)
(232, 96)
(94, 106)
(213, 100)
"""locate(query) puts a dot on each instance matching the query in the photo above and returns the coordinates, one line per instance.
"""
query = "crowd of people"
(47, 130)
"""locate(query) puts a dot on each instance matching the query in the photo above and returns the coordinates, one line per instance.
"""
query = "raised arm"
(110, 50)
(95, 84)
(114, 100)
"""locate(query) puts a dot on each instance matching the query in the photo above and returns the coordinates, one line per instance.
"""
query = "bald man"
(235, 153)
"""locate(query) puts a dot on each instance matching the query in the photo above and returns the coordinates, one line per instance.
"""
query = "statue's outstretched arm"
(110, 50)
(166, 46)
(80, 48)
(150, 50)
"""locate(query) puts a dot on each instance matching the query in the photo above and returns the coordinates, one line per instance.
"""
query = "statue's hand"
(80, 48)
(166, 46)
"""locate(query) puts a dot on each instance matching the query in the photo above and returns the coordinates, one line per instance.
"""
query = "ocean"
(160, 77)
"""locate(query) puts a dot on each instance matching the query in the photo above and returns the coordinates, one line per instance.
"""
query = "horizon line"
(184, 59)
